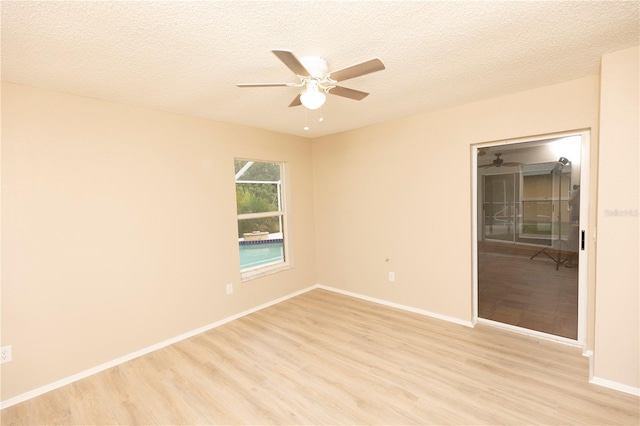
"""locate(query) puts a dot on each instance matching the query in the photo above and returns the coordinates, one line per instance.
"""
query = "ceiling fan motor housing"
(316, 65)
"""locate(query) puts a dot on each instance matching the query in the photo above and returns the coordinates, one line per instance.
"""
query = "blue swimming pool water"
(252, 255)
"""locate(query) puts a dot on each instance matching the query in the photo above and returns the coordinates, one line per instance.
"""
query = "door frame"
(584, 228)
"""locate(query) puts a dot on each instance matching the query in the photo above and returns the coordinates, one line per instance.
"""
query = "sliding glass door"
(529, 235)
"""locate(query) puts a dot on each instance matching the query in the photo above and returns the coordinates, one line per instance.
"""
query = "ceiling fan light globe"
(313, 99)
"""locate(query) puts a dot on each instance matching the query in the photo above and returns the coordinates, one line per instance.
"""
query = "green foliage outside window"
(257, 192)
(256, 197)
(258, 171)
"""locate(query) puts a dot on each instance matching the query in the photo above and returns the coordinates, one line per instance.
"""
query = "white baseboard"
(97, 369)
(615, 386)
(608, 383)
(589, 354)
(398, 306)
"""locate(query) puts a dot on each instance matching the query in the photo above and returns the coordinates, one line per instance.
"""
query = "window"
(541, 204)
(261, 217)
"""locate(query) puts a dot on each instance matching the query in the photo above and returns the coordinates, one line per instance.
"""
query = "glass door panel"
(499, 207)
(528, 239)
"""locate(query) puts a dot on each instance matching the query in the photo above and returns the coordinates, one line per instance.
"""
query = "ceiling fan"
(499, 162)
(316, 80)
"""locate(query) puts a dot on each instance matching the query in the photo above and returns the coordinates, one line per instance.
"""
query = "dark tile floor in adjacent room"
(530, 293)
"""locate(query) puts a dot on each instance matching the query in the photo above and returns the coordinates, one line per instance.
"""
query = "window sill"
(262, 271)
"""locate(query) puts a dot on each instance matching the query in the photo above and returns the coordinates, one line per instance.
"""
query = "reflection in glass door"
(528, 225)
(499, 207)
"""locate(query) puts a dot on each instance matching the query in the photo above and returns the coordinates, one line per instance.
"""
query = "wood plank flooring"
(325, 358)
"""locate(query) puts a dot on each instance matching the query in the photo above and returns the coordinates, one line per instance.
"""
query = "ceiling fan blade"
(296, 101)
(486, 165)
(263, 84)
(511, 164)
(357, 70)
(348, 93)
(291, 62)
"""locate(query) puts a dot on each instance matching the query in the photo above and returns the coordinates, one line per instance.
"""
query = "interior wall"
(396, 197)
(119, 229)
(617, 335)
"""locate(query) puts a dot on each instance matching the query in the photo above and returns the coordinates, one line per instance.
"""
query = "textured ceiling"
(186, 56)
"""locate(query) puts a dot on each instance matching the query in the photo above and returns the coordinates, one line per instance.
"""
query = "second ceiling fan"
(499, 162)
(316, 80)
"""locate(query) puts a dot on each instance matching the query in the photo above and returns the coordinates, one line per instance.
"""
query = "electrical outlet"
(5, 354)
(392, 277)
(229, 288)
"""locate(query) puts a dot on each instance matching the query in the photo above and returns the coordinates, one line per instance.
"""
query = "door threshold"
(529, 332)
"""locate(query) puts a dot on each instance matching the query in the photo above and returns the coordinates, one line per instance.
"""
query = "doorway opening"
(529, 234)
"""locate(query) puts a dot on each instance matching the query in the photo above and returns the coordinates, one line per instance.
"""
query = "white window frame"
(273, 267)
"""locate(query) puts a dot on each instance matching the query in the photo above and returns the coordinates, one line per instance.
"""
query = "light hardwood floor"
(325, 358)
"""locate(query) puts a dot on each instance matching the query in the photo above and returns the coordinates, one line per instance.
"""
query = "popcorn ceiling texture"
(185, 57)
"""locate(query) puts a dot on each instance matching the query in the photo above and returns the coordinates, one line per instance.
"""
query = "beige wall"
(617, 340)
(119, 229)
(402, 191)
